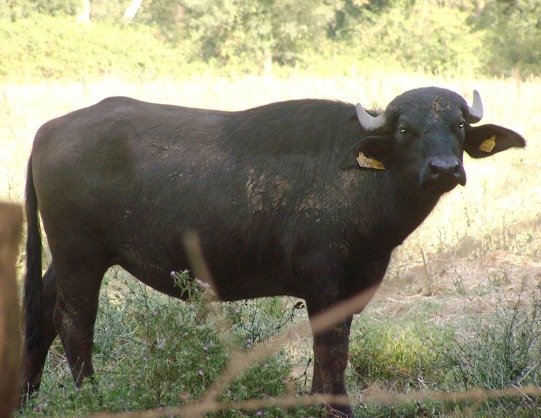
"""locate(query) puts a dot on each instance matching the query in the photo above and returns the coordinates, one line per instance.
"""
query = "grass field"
(460, 307)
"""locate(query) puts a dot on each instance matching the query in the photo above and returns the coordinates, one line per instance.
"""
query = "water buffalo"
(306, 198)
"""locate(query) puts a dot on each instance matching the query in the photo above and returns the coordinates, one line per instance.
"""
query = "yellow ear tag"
(366, 162)
(488, 144)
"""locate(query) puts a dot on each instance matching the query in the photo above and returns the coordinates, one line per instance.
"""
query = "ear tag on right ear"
(365, 162)
(488, 144)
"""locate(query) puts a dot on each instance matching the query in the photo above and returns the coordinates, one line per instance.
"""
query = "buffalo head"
(422, 135)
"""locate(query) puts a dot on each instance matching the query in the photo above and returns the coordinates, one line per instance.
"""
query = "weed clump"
(501, 351)
(496, 352)
(152, 351)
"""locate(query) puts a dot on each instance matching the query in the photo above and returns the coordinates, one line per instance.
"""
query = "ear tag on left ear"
(366, 162)
(488, 144)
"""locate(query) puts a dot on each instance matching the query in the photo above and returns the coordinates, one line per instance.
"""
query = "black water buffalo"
(305, 198)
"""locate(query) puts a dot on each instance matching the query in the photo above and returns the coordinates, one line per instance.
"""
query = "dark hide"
(275, 194)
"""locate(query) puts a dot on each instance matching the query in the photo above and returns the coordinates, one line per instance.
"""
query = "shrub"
(60, 48)
(500, 352)
(151, 351)
(420, 36)
(513, 37)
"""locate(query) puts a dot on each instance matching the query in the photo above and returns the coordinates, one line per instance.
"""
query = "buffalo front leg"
(331, 350)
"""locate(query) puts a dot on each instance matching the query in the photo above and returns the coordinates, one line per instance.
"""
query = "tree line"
(490, 37)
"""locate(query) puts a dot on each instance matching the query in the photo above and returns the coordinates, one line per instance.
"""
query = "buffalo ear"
(486, 140)
(369, 153)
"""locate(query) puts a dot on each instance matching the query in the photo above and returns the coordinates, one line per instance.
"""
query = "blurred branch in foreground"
(11, 221)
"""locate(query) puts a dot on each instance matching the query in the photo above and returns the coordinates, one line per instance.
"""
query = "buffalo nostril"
(443, 173)
(444, 167)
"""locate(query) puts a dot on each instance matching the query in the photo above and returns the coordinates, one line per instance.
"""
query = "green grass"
(408, 356)
(394, 354)
(152, 351)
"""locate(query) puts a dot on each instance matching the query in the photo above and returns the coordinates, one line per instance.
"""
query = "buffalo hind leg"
(75, 315)
(331, 350)
(40, 334)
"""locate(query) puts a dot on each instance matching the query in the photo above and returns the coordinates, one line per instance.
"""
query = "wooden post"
(11, 221)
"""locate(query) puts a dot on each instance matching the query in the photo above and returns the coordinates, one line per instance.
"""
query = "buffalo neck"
(388, 208)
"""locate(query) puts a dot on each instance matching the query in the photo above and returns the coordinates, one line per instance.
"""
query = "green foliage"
(241, 32)
(513, 30)
(20, 9)
(452, 37)
(152, 351)
(421, 36)
(256, 320)
(109, 11)
(60, 48)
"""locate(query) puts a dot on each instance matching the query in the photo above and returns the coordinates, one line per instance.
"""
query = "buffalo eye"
(461, 125)
(404, 130)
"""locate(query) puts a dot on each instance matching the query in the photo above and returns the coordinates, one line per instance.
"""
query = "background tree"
(513, 38)
(237, 31)
(20, 9)
(422, 35)
(491, 37)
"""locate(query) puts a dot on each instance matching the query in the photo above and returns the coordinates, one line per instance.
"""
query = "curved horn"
(475, 112)
(367, 121)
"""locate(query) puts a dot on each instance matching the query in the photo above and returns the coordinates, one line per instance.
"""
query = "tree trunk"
(84, 16)
(132, 10)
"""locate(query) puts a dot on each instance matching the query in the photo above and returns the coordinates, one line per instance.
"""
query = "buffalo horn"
(476, 109)
(369, 122)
